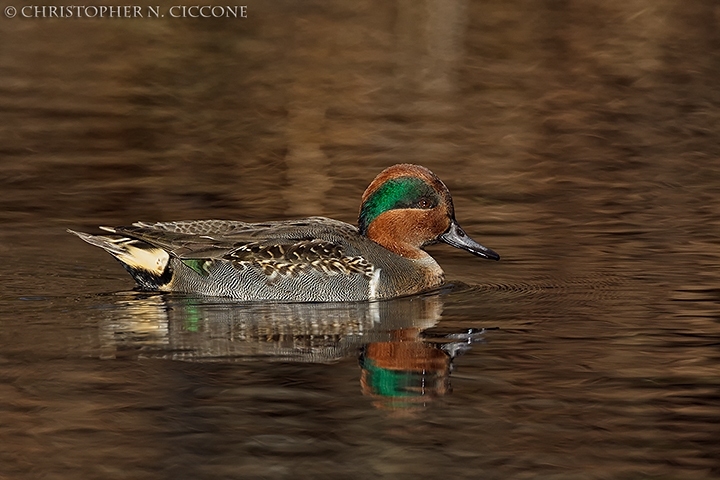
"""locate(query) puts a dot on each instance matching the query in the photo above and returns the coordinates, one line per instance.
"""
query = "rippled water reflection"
(579, 140)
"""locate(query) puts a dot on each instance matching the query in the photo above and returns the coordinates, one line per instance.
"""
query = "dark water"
(579, 140)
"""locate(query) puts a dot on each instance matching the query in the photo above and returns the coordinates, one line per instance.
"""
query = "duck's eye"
(424, 203)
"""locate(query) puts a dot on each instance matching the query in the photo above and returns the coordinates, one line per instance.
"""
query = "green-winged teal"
(316, 259)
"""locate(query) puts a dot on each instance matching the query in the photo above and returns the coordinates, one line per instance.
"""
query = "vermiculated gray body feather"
(313, 259)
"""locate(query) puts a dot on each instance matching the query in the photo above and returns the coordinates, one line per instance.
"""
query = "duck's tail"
(149, 265)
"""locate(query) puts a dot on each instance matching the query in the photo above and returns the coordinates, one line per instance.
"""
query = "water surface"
(579, 141)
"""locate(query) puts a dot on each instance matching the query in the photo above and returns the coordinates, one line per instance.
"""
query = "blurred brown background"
(579, 140)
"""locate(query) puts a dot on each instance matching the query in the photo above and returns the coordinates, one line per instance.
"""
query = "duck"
(315, 259)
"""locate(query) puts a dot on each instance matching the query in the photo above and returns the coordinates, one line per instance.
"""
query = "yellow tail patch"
(153, 260)
(136, 254)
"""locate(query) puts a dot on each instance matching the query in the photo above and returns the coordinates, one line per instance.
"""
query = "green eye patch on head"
(402, 192)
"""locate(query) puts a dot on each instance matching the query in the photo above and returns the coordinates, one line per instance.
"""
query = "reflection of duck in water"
(400, 366)
(405, 208)
(405, 371)
(412, 368)
(210, 330)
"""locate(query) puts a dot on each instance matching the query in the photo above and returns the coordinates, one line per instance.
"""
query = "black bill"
(456, 237)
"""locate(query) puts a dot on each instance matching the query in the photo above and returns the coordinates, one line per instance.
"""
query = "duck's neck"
(392, 241)
(404, 231)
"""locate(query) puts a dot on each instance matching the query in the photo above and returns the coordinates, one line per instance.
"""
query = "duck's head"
(407, 208)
